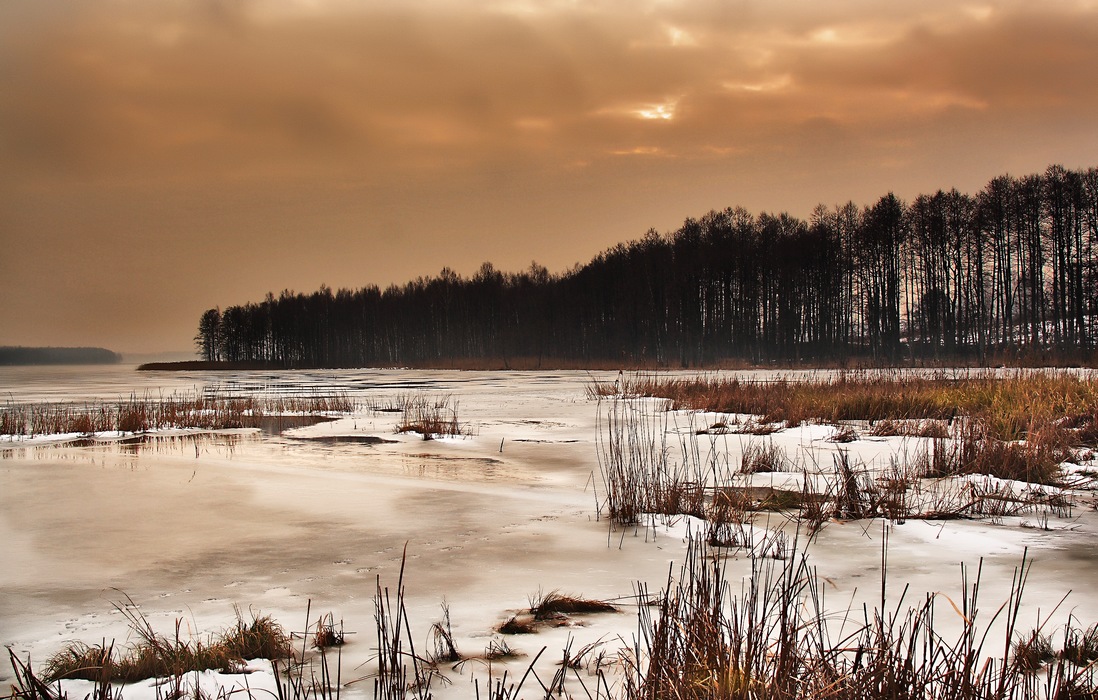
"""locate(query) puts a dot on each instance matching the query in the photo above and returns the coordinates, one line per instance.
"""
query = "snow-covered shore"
(189, 525)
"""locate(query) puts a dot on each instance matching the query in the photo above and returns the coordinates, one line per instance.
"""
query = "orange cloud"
(393, 127)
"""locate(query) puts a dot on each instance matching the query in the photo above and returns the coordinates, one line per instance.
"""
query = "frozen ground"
(189, 526)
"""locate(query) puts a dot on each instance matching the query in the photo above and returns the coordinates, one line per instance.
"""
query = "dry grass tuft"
(498, 649)
(928, 428)
(843, 434)
(759, 459)
(156, 656)
(430, 417)
(328, 633)
(1080, 648)
(545, 606)
(1033, 652)
(517, 624)
(552, 608)
(442, 638)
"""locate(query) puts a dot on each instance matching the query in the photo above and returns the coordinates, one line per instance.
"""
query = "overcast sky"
(161, 157)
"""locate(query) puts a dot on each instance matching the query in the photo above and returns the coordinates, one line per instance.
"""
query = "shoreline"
(534, 364)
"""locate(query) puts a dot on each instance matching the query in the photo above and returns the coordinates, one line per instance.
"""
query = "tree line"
(19, 355)
(1010, 270)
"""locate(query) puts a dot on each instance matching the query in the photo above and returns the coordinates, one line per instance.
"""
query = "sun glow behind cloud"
(664, 111)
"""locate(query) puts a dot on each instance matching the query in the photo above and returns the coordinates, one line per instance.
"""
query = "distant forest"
(57, 356)
(1005, 273)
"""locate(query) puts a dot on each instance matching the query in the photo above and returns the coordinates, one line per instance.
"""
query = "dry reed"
(431, 417)
(211, 411)
(774, 640)
(157, 656)
(1009, 405)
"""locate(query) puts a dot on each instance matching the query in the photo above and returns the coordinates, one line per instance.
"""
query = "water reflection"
(429, 466)
(134, 445)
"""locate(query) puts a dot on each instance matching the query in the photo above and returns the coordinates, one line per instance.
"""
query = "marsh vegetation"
(742, 485)
(140, 414)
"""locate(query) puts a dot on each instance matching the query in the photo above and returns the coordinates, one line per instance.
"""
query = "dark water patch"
(488, 461)
(544, 424)
(344, 439)
(274, 425)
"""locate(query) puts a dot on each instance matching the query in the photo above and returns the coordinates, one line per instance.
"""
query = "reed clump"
(639, 474)
(328, 633)
(431, 417)
(972, 449)
(135, 414)
(400, 669)
(546, 606)
(156, 656)
(1080, 647)
(928, 428)
(770, 636)
(757, 458)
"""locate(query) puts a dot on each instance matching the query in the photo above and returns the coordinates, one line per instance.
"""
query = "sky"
(162, 157)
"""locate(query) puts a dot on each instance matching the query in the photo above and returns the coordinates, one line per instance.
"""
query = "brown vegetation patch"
(178, 411)
(519, 624)
(548, 605)
(156, 656)
(771, 640)
(327, 633)
(758, 459)
(928, 428)
(1007, 405)
(430, 417)
(843, 434)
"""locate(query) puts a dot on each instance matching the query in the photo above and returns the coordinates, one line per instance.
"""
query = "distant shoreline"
(534, 364)
(204, 366)
(13, 356)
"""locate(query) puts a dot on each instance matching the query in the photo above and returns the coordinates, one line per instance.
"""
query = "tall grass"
(774, 639)
(651, 466)
(769, 635)
(400, 669)
(1021, 426)
(430, 417)
(142, 414)
(1009, 406)
(639, 473)
(157, 656)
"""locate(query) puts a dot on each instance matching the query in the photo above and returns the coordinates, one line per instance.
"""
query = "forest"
(1004, 274)
(18, 355)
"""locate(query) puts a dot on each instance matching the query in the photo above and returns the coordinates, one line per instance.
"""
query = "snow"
(256, 679)
(190, 525)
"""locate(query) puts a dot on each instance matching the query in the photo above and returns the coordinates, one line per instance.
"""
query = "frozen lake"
(189, 526)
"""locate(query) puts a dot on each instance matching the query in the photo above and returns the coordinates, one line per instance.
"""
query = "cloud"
(504, 120)
(240, 90)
